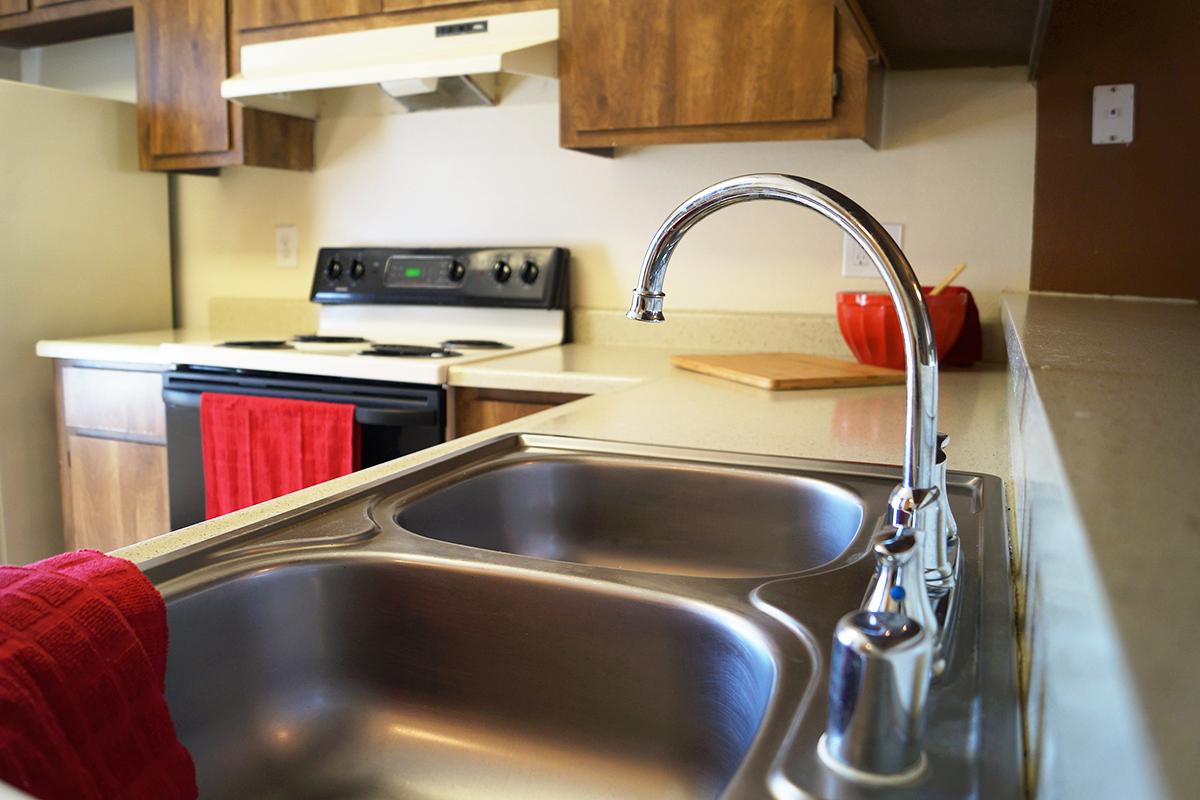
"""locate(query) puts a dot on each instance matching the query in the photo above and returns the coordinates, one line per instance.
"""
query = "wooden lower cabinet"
(118, 492)
(112, 451)
(479, 409)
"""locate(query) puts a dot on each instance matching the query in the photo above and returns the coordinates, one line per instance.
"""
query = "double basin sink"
(563, 618)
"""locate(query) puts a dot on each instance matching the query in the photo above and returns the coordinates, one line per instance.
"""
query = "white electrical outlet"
(287, 242)
(1112, 114)
(856, 263)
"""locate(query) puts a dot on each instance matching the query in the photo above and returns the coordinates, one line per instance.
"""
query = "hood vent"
(431, 65)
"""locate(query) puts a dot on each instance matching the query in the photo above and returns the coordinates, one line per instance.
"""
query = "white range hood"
(285, 75)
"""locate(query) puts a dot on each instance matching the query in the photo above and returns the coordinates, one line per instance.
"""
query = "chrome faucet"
(914, 504)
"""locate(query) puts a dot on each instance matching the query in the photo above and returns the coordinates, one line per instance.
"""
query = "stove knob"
(457, 271)
(334, 270)
(357, 269)
(529, 273)
(501, 272)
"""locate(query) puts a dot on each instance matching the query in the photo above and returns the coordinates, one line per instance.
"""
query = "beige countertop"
(1105, 401)
(142, 347)
(688, 410)
(1106, 450)
(571, 368)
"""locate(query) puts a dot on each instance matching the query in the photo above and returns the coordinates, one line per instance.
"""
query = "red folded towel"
(83, 657)
(258, 448)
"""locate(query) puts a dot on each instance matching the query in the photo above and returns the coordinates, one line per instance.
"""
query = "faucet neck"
(920, 440)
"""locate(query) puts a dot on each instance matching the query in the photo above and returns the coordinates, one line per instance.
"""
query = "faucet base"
(869, 778)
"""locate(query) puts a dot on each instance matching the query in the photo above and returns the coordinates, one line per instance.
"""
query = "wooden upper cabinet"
(635, 72)
(183, 54)
(250, 14)
(181, 48)
(13, 7)
(698, 62)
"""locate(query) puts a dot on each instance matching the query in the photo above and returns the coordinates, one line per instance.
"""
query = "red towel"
(83, 657)
(258, 448)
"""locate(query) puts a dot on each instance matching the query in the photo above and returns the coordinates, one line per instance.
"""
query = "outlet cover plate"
(855, 263)
(287, 243)
(1112, 114)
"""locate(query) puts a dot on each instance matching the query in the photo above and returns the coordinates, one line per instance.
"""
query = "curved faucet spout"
(920, 439)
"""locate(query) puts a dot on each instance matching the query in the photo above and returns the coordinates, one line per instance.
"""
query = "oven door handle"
(394, 417)
(363, 415)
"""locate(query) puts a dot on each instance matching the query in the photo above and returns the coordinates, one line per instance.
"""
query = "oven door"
(394, 419)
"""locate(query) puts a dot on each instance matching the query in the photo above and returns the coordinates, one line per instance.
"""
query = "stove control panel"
(523, 277)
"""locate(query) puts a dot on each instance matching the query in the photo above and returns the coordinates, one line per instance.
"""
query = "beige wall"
(86, 251)
(956, 169)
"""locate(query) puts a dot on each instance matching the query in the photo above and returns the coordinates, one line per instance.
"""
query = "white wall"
(104, 67)
(10, 64)
(956, 168)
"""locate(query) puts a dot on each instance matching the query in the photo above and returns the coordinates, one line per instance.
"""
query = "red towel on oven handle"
(83, 651)
(259, 448)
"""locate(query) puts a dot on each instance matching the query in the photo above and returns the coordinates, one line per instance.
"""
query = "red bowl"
(870, 326)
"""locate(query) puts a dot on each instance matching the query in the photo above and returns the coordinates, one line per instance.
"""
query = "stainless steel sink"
(371, 677)
(642, 514)
(340, 651)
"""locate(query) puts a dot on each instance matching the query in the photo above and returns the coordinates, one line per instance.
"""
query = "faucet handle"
(878, 685)
(899, 583)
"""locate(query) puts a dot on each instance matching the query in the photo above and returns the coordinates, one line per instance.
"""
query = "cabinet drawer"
(114, 401)
(13, 7)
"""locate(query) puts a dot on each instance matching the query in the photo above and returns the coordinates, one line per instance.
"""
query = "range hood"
(285, 75)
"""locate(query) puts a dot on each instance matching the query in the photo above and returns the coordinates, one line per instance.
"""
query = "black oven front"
(395, 419)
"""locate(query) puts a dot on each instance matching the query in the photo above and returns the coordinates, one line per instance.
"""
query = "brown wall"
(1119, 219)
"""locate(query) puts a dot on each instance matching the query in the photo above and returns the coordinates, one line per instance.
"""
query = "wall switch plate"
(1112, 114)
(287, 242)
(855, 263)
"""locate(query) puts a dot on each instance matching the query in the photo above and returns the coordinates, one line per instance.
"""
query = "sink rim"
(793, 705)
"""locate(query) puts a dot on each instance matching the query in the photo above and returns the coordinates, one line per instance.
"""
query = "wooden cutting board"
(788, 370)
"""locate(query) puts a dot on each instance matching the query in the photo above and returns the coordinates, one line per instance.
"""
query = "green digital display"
(412, 272)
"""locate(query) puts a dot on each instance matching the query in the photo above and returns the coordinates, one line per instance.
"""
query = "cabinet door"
(479, 409)
(13, 7)
(631, 64)
(118, 492)
(272, 13)
(181, 51)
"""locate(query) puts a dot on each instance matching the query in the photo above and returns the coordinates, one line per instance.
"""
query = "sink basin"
(371, 678)
(638, 514)
(540, 616)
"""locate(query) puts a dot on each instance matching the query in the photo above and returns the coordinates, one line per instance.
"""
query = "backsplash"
(956, 169)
